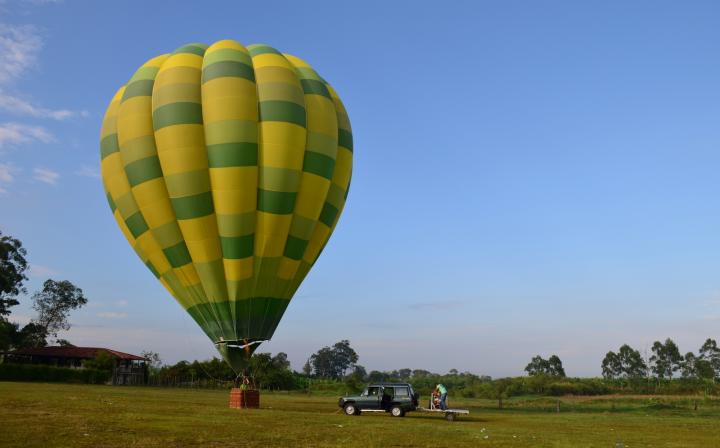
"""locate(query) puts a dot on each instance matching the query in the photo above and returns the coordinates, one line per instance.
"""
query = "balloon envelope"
(227, 168)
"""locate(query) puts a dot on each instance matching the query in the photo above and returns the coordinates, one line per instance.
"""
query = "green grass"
(59, 415)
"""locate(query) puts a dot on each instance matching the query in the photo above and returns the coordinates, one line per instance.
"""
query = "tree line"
(665, 362)
(335, 370)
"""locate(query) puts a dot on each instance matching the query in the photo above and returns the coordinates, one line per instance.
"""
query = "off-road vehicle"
(395, 398)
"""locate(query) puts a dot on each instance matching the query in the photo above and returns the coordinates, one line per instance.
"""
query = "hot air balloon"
(227, 168)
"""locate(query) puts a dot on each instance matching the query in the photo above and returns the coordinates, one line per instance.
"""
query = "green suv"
(395, 398)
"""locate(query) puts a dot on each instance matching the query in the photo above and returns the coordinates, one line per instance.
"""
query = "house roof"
(74, 352)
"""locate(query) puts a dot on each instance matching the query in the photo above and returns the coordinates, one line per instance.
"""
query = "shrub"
(31, 372)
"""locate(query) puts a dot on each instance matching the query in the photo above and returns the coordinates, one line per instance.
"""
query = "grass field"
(59, 415)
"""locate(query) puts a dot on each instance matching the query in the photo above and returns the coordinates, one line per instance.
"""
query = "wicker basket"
(244, 398)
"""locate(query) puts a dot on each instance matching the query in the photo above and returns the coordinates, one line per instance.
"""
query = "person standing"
(442, 390)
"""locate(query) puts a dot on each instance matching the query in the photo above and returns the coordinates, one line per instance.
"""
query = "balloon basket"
(244, 398)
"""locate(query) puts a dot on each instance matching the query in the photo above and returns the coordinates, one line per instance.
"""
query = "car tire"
(397, 411)
(350, 409)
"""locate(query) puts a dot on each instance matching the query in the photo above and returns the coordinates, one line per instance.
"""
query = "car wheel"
(350, 409)
(396, 411)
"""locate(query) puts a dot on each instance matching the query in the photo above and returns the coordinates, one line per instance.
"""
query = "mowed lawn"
(58, 415)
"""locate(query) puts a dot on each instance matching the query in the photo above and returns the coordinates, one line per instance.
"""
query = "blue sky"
(530, 177)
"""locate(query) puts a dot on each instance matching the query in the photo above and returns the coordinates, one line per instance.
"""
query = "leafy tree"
(54, 303)
(696, 367)
(334, 362)
(376, 376)
(405, 373)
(64, 343)
(359, 372)
(611, 366)
(688, 366)
(537, 366)
(322, 363)
(271, 372)
(12, 272)
(307, 368)
(152, 359)
(632, 365)
(280, 361)
(555, 367)
(344, 356)
(666, 359)
(710, 353)
(499, 390)
(8, 334)
(102, 361)
(703, 369)
(550, 367)
(31, 335)
(356, 380)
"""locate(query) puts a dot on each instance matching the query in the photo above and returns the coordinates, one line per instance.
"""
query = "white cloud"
(121, 303)
(112, 315)
(7, 176)
(19, 46)
(88, 171)
(19, 106)
(15, 133)
(37, 270)
(6, 173)
(45, 175)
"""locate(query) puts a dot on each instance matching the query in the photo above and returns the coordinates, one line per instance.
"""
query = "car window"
(402, 392)
(389, 391)
(373, 391)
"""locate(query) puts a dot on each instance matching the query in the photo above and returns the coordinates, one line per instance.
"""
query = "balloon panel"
(227, 168)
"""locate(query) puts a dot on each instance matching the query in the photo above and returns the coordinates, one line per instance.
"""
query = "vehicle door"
(403, 397)
(388, 397)
(370, 398)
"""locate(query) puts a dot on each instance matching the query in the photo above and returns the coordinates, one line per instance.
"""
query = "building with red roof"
(128, 369)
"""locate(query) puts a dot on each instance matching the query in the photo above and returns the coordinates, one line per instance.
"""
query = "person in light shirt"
(443, 396)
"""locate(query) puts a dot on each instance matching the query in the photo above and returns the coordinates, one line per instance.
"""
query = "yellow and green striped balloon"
(226, 169)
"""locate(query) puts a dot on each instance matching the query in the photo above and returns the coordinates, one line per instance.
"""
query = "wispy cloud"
(19, 47)
(112, 315)
(7, 176)
(88, 171)
(6, 173)
(45, 175)
(438, 305)
(105, 305)
(15, 133)
(37, 270)
(19, 106)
